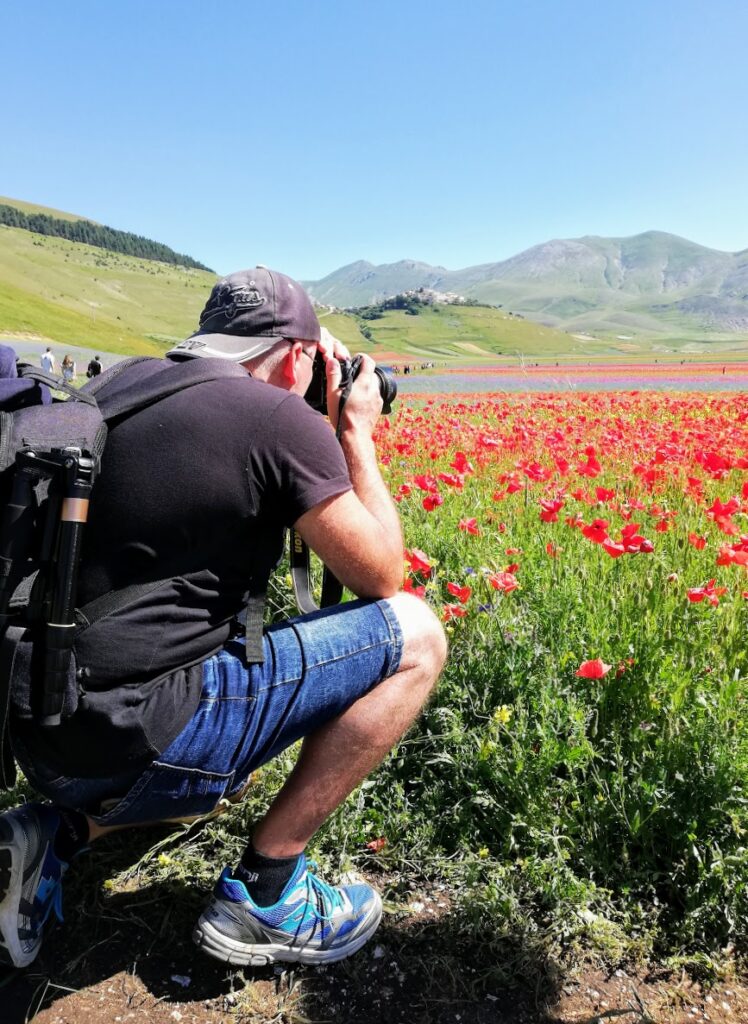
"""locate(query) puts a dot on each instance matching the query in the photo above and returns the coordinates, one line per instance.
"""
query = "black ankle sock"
(265, 878)
(72, 835)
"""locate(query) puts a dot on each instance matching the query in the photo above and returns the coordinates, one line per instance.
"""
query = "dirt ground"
(125, 965)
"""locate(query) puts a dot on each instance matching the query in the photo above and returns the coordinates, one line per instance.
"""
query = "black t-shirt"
(193, 497)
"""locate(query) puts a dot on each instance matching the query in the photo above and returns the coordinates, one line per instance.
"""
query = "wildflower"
(470, 526)
(460, 464)
(432, 501)
(426, 483)
(732, 555)
(411, 588)
(504, 581)
(461, 593)
(614, 549)
(503, 715)
(452, 480)
(418, 561)
(550, 509)
(708, 593)
(377, 845)
(597, 531)
(453, 611)
(594, 669)
(483, 852)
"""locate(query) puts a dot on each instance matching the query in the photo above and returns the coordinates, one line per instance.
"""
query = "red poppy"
(453, 611)
(432, 501)
(470, 526)
(613, 548)
(550, 509)
(452, 479)
(418, 561)
(461, 464)
(594, 669)
(411, 588)
(708, 593)
(426, 483)
(597, 531)
(698, 542)
(504, 581)
(376, 845)
(461, 593)
(732, 555)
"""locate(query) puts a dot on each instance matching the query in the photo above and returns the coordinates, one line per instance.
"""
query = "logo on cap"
(229, 302)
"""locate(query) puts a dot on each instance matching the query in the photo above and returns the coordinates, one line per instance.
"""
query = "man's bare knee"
(424, 642)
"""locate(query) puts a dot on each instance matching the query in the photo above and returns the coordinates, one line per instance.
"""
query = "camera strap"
(332, 588)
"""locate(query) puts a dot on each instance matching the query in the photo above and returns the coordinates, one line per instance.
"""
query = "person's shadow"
(414, 970)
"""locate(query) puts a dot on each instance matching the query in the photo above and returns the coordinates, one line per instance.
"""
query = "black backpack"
(50, 456)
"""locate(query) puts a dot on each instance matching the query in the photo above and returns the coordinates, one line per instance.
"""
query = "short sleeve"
(298, 463)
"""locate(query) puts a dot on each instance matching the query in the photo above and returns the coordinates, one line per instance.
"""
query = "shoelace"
(326, 896)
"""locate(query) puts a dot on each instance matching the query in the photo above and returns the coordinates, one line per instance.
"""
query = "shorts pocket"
(168, 791)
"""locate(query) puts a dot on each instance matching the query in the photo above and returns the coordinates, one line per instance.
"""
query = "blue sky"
(305, 135)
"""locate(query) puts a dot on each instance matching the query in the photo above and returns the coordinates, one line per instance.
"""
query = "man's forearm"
(361, 457)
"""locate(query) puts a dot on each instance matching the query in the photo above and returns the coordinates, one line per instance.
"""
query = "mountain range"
(648, 284)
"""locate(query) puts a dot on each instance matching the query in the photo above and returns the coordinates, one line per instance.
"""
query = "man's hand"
(331, 346)
(364, 403)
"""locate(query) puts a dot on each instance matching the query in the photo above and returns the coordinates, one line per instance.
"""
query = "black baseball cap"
(247, 313)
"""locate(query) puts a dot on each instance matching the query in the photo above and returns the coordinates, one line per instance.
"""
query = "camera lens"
(316, 393)
(387, 389)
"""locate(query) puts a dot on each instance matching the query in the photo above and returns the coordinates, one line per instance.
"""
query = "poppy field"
(582, 767)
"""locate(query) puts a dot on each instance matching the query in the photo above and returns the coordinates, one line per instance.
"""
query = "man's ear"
(290, 361)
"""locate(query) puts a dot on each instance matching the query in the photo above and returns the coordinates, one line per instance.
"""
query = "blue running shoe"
(30, 880)
(312, 923)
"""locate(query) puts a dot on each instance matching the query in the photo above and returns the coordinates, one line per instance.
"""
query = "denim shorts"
(315, 667)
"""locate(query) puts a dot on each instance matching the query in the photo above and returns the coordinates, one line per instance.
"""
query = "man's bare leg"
(335, 758)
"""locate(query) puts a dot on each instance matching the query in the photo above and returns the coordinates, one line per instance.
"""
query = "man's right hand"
(363, 406)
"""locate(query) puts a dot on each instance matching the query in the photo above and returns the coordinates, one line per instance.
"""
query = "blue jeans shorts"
(315, 667)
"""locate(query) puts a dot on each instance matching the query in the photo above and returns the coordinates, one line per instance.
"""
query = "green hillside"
(466, 334)
(79, 295)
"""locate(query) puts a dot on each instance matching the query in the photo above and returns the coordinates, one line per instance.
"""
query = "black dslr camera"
(316, 394)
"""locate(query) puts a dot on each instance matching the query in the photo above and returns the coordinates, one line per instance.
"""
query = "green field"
(79, 295)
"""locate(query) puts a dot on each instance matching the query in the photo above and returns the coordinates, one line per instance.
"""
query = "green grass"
(80, 295)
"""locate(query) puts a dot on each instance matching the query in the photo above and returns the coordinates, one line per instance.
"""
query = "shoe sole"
(11, 886)
(230, 951)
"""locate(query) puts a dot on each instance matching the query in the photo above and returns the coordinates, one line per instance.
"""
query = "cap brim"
(237, 347)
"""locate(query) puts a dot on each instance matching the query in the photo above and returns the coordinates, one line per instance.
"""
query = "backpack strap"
(28, 372)
(173, 377)
(8, 650)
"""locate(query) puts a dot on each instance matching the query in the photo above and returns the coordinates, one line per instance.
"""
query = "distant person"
(94, 367)
(68, 368)
(48, 361)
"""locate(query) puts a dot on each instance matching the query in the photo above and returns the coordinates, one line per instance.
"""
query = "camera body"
(316, 393)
